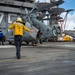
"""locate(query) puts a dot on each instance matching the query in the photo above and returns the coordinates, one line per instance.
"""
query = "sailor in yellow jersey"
(18, 33)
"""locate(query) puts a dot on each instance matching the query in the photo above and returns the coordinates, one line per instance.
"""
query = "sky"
(70, 23)
(68, 4)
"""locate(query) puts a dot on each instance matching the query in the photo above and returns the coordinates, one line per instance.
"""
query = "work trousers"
(2, 40)
(18, 43)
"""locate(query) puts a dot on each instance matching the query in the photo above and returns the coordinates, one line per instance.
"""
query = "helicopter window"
(1, 17)
(11, 17)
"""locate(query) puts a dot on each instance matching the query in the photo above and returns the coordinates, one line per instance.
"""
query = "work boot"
(18, 55)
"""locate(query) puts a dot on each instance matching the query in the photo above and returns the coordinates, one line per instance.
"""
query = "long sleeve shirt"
(18, 28)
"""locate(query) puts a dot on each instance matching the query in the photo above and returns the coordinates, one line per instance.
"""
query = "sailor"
(39, 36)
(18, 33)
(1, 37)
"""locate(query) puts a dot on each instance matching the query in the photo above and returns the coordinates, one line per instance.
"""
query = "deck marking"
(12, 46)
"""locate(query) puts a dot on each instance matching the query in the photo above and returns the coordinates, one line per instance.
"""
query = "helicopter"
(47, 31)
(32, 22)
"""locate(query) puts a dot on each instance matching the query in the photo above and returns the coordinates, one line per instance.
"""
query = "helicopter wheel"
(34, 43)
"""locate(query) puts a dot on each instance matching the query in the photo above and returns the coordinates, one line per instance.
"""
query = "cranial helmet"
(19, 19)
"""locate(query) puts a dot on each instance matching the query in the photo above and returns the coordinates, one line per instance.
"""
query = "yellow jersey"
(18, 28)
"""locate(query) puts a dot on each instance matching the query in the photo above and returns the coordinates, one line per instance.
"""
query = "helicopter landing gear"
(34, 43)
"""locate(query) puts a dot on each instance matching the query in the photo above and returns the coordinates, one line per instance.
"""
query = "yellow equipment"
(67, 38)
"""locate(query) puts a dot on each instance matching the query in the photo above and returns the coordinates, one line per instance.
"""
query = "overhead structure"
(13, 6)
(10, 9)
(53, 11)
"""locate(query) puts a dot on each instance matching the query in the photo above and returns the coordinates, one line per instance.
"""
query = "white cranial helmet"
(19, 19)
